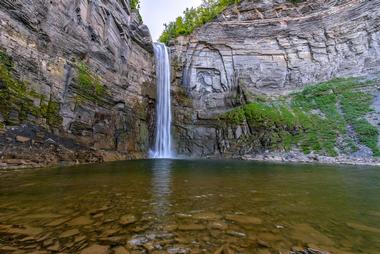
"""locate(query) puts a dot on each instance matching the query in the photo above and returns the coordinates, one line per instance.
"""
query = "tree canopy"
(195, 17)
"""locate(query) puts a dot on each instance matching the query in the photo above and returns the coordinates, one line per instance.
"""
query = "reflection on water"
(161, 180)
(175, 206)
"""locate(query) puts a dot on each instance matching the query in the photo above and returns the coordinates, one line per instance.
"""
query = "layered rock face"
(87, 68)
(269, 48)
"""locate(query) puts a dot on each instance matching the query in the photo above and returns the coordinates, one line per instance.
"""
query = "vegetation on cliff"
(89, 85)
(18, 102)
(135, 4)
(314, 119)
(196, 17)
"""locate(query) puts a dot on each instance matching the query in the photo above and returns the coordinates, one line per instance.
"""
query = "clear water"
(189, 206)
(162, 147)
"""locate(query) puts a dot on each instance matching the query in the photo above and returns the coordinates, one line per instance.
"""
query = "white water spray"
(162, 147)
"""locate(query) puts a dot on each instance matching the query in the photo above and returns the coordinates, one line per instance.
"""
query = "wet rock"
(54, 247)
(57, 222)
(127, 219)
(137, 241)
(100, 210)
(97, 216)
(8, 248)
(236, 234)
(115, 240)
(262, 243)
(191, 227)
(20, 230)
(242, 219)
(309, 251)
(79, 239)
(80, 221)
(22, 139)
(170, 228)
(362, 227)
(184, 215)
(206, 216)
(120, 250)
(96, 249)
(149, 246)
(69, 233)
(110, 232)
(178, 250)
(225, 249)
(220, 225)
(48, 242)
(308, 234)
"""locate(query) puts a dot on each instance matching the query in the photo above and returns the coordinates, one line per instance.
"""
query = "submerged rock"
(69, 233)
(242, 219)
(96, 249)
(80, 221)
(127, 219)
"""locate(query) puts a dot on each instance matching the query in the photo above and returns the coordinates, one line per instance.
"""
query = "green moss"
(312, 119)
(17, 97)
(50, 111)
(89, 85)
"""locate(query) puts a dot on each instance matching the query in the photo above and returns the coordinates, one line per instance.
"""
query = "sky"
(156, 13)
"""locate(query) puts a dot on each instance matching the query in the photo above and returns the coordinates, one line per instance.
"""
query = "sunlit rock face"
(48, 40)
(271, 48)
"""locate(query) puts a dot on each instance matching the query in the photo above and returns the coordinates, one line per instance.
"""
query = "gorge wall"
(263, 51)
(77, 82)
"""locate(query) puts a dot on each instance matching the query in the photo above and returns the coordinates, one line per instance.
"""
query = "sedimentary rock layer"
(93, 60)
(268, 48)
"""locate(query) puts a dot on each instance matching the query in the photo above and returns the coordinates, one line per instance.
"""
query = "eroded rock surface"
(51, 43)
(265, 48)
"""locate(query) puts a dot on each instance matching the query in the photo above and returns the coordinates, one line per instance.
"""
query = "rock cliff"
(267, 50)
(77, 82)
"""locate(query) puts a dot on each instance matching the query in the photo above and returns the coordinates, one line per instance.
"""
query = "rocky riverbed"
(187, 207)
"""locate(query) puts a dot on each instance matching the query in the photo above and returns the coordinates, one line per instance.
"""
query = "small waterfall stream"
(162, 146)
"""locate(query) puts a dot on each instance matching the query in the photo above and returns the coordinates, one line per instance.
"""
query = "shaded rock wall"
(268, 48)
(48, 41)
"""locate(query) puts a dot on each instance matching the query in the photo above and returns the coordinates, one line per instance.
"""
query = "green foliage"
(313, 119)
(135, 4)
(17, 97)
(89, 85)
(194, 18)
(50, 111)
(355, 106)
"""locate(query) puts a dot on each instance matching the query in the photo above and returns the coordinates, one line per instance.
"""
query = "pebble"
(191, 227)
(127, 219)
(95, 249)
(69, 233)
(80, 221)
(120, 250)
(242, 219)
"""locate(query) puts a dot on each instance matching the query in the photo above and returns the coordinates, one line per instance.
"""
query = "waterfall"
(162, 147)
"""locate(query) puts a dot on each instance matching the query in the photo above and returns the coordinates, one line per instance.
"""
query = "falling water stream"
(162, 146)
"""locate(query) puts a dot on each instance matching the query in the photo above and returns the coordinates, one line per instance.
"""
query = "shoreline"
(297, 157)
(269, 157)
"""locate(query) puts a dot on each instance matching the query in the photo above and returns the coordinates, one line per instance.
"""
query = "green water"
(181, 206)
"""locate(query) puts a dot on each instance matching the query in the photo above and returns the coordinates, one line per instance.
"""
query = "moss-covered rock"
(312, 119)
(17, 98)
(89, 86)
